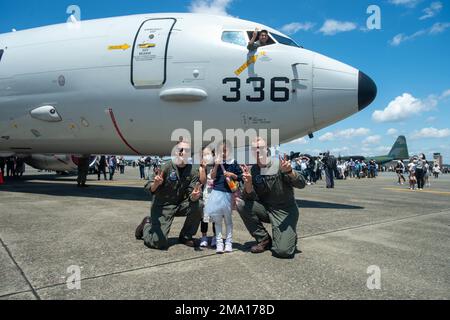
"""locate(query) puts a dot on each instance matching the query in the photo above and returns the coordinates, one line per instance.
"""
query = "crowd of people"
(147, 166)
(418, 171)
(110, 163)
(312, 168)
(12, 167)
(101, 165)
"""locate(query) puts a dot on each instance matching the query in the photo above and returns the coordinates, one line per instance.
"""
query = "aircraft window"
(234, 37)
(269, 42)
(285, 41)
(1, 54)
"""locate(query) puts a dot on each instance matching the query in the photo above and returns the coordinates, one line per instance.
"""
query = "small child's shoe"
(204, 242)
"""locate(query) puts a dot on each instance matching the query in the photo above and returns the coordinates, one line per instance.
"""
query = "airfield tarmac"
(48, 224)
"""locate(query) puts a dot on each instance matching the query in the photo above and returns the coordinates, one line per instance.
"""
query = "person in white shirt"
(412, 173)
(436, 171)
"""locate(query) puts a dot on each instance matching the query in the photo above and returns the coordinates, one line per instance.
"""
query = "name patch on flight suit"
(259, 179)
(173, 176)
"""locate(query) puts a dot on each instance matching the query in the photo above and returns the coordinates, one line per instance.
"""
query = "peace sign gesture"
(285, 164)
(255, 33)
(246, 174)
(159, 178)
(195, 195)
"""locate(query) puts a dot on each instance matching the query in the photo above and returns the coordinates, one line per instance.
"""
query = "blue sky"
(408, 58)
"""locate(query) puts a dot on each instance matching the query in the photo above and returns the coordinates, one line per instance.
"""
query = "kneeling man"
(268, 196)
(176, 190)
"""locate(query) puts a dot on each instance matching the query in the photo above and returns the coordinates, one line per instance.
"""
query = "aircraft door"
(149, 63)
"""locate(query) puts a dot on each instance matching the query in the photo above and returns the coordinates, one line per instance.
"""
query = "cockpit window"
(1, 54)
(234, 37)
(285, 41)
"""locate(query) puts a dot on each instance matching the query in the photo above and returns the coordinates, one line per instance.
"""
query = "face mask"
(179, 161)
(208, 158)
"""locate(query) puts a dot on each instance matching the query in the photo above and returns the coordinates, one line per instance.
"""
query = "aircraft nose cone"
(367, 90)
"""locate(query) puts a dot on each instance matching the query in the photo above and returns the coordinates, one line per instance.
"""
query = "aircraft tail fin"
(399, 149)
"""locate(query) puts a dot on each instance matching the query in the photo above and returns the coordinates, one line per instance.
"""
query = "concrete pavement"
(48, 225)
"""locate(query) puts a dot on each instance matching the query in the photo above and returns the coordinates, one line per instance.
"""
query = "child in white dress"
(206, 165)
(225, 173)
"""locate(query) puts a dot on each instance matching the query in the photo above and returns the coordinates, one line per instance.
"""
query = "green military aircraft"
(399, 151)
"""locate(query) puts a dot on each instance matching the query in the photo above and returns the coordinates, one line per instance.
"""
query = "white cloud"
(343, 150)
(432, 10)
(344, 134)
(439, 27)
(216, 7)
(403, 107)
(445, 94)
(331, 27)
(407, 3)
(295, 27)
(350, 133)
(301, 141)
(436, 28)
(431, 133)
(392, 132)
(397, 39)
(372, 140)
(326, 137)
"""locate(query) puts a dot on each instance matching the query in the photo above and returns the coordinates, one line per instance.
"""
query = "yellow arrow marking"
(147, 45)
(249, 62)
(125, 46)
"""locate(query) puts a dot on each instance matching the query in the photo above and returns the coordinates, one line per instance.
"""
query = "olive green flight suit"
(171, 198)
(272, 201)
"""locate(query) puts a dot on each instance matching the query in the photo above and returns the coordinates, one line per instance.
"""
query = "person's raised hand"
(195, 195)
(285, 164)
(255, 33)
(246, 175)
(159, 178)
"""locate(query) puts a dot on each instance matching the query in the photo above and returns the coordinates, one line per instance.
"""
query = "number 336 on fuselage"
(122, 85)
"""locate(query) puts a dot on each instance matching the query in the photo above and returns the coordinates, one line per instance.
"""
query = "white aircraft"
(122, 85)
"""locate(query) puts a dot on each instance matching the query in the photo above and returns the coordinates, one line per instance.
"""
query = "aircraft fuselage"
(123, 85)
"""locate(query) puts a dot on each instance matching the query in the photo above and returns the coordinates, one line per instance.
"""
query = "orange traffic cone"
(1, 177)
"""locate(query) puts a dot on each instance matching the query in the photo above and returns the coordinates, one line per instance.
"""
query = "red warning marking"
(113, 119)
